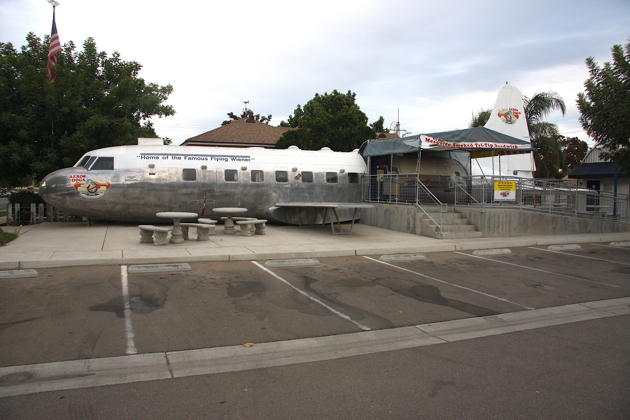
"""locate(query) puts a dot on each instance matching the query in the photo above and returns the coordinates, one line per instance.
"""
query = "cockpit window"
(82, 161)
(103, 163)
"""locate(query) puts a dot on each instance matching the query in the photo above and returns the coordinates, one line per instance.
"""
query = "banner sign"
(475, 145)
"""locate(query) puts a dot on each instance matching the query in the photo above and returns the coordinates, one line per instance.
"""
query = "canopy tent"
(479, 141)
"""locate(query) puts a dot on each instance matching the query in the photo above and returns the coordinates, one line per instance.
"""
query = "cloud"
(434, 62)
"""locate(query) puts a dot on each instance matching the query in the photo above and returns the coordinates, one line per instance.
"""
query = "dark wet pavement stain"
(148, 295)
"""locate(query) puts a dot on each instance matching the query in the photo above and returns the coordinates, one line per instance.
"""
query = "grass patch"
(6, 237)
(3, 213)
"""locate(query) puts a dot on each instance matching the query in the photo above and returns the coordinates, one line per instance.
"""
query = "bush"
(25, 198)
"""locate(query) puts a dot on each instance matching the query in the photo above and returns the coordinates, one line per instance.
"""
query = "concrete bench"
(148, 232)
(204, 230)
(247, 225)
(206, 221)
(237, 218)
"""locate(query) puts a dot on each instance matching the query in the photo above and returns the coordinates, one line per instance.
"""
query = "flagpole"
(54, 47)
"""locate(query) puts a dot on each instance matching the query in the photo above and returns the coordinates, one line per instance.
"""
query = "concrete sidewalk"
(77, 244)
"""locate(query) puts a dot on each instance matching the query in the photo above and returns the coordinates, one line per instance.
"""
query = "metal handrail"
(442, 206)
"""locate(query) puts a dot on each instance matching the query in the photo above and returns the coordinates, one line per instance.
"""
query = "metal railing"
(548, 195)
(403, 189)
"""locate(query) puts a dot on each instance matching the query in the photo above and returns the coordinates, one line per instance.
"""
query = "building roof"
(244, 132)
(387, 136)
(597, 170)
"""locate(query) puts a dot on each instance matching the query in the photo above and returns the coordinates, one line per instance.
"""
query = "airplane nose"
(53, 184)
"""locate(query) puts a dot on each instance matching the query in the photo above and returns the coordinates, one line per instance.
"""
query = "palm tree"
(544, 135)
(539, 106)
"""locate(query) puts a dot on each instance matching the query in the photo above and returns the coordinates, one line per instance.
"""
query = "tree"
(605, 106)
(379, 126)
(480, 118)
(330, 120)
(538, 107)
(548, 157)
(247, 113)
(97, 101)
(574, 151)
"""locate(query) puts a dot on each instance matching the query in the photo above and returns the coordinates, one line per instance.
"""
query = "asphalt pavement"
(252, 331)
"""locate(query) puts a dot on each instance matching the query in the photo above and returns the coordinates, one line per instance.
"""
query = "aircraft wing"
(307, 214)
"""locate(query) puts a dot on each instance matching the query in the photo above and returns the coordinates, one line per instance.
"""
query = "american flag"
(53, 49)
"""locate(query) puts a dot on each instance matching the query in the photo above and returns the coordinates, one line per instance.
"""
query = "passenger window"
(353, 177)
(307, 176)
(231, 175)
(103, 163)
(189, 174)
(258, 176)
(282, 176)
(331, 177)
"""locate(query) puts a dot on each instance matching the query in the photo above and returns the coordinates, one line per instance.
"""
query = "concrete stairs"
(454, 226)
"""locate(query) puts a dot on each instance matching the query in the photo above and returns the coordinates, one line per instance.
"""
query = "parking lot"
(79, 313)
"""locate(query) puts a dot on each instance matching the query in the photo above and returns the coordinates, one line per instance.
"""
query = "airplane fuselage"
(132, 183)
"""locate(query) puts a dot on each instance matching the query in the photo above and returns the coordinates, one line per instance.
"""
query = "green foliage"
(97, 101)
(548, 157)
(25, 198)
(247, 113)
(574, 151)
(330, 120)
(379, 126)
(6, 237)
(481, 118)
(605, 106)
(538, 107)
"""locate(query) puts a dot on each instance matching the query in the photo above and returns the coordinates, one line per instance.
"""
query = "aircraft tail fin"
(508, 114)
(508, 117)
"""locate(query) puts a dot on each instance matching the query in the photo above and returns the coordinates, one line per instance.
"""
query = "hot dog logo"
(89, 187)
(509, 115)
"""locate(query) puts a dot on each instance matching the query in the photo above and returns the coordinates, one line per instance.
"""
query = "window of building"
(103, 163)
(331, 177)
(231, 175)
(307, 176)
(258, 176)
(282, 176)
(353, 177)
(189, 174)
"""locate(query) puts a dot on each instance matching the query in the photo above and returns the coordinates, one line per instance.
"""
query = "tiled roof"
(241, 132)
(386, 136)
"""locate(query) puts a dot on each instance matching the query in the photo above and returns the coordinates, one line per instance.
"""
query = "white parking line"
(124, 279)
(451, 284)
(88, 373)
(579, 256)
(314, 299)
(538, 269)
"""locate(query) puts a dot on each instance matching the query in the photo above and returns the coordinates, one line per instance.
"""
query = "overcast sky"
(438, 62)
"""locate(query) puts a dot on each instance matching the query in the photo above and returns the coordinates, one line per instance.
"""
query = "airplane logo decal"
(509, 115)
(89, 187)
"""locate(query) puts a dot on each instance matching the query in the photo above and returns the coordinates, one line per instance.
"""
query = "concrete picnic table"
(176, 234)
(229, 213)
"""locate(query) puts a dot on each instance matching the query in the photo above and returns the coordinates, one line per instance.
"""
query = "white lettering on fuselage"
(178, 157)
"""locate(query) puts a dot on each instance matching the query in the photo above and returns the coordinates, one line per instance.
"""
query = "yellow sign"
(504, 190)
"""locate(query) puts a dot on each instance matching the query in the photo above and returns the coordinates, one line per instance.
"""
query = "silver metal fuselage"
(145, 180)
